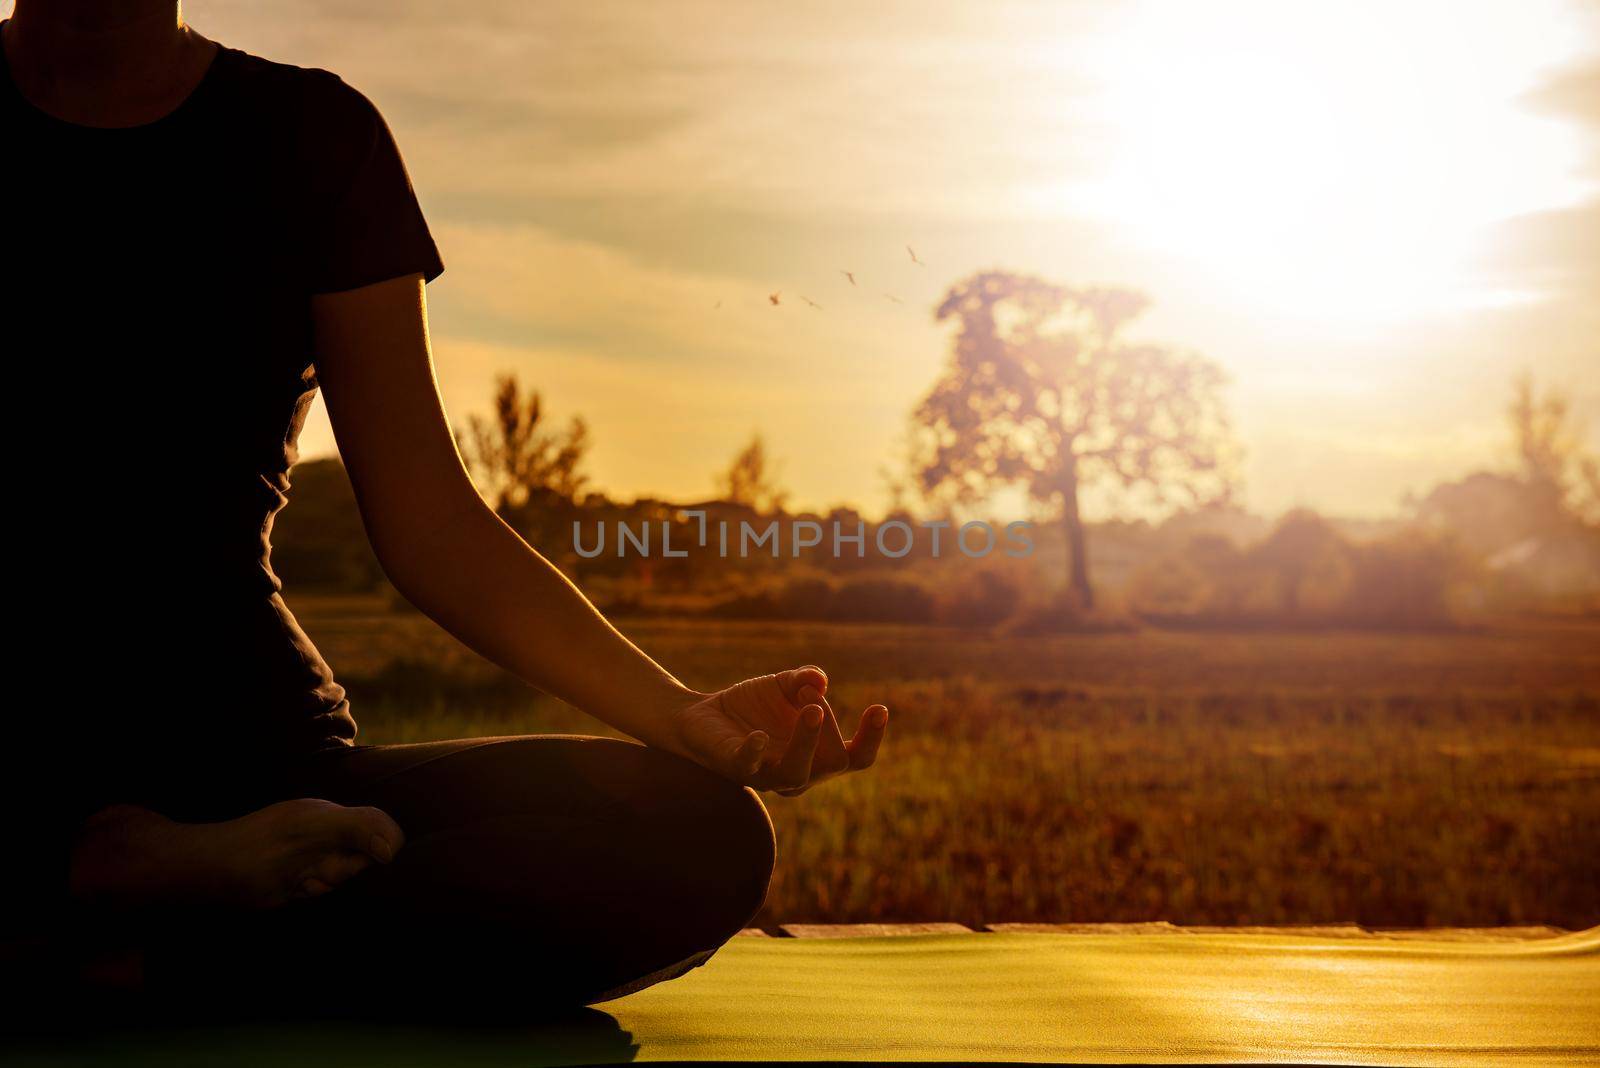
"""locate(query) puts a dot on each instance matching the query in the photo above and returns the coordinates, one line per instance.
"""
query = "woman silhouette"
(196, 240)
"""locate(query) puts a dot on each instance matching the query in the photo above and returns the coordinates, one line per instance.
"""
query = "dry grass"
(1391, 780)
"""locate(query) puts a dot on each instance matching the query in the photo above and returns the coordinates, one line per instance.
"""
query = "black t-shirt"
(156, 334)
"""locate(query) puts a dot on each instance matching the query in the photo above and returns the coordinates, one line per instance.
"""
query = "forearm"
(453, 558)
(442, 547)
(474, 576)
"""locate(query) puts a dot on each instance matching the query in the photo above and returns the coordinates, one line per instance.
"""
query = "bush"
(861, 600)
(882, 600)
(1172, 585)
(806, 597)
(1407, 580)
(1305, 574)
(762, 605)
(1065, 614)
(979, 599)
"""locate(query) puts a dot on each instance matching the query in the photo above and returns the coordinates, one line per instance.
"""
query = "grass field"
(1386, 779)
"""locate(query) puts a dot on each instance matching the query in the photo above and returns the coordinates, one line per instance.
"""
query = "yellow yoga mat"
(1229, 997)
(1181, 998)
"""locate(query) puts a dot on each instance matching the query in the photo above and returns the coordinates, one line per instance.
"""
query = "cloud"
(822, 106)
(1557, 251)
(1572, 94)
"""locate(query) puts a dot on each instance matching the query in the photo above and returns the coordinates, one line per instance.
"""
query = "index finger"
(794, 681)
(794, 769)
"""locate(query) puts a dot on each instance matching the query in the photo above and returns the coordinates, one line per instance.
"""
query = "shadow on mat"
(578, 1036)
(585, 1037)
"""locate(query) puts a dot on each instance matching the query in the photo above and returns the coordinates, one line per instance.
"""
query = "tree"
(514, 460)
(1043, 391)
(752, 479)
(1562, 475)
(1302, 548)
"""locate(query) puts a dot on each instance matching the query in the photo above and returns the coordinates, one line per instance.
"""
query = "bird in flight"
(773, 297)
(811, 302)
(913, 253)
(891, 296)
(850, 275)
(717, 306)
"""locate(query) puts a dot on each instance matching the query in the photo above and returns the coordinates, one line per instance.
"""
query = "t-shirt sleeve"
(369, 227)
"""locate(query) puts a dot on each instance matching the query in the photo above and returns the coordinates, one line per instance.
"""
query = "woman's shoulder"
(309, 99)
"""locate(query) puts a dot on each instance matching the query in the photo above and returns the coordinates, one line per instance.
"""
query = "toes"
(368, 831)
(311, 886)
(338, 868)
(330, 866)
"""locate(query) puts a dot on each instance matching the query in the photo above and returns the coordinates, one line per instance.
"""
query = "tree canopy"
(1045, 390)
(514, 457)
(752, 479)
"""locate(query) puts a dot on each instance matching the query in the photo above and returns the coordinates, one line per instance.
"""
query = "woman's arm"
(452, 557)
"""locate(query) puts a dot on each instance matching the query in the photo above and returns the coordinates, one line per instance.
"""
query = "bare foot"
(129, 857)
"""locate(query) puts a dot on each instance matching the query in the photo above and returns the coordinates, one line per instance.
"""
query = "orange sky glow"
(1373, 215)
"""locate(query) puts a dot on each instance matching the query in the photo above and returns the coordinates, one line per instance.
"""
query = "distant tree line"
(1044, 390)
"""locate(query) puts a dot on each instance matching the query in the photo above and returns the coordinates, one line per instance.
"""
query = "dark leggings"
(542, 871)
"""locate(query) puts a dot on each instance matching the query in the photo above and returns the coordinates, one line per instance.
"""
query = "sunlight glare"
(1339, 162)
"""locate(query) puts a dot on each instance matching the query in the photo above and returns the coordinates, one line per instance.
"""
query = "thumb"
(747, 759)
(721, 742)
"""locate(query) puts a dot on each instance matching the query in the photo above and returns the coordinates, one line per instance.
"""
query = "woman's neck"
(107, 63)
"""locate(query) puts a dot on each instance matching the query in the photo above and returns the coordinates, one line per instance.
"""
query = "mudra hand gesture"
(776, 732)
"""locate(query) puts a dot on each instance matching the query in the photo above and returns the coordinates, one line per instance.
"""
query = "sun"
(1346, 162)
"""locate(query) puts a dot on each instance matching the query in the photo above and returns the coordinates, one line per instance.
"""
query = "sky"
(1372, 215)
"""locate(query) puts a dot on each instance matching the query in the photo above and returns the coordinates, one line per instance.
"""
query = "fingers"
(863, 748)
(793, 772)
(831, 757)
(815, 749)
(792, 682)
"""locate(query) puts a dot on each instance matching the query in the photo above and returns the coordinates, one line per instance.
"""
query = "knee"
(751, 853)
(728, 852)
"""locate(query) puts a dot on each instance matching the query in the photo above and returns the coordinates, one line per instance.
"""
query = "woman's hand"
(776, 732)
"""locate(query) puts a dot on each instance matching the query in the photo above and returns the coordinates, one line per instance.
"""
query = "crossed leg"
(537, 872)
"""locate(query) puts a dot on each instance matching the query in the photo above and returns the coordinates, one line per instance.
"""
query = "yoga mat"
(1066, 998)
(1181, 998)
